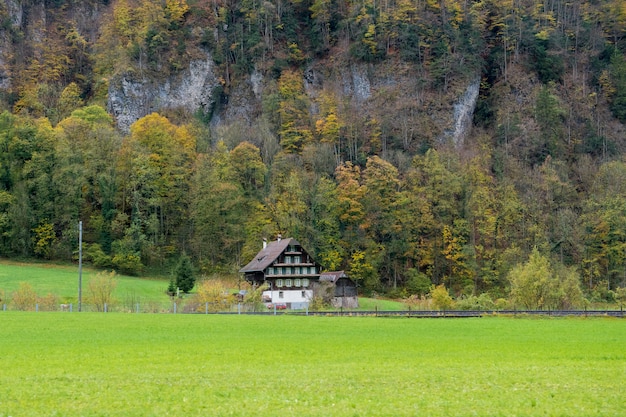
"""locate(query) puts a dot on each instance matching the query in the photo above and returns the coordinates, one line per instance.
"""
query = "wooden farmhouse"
(289, 270)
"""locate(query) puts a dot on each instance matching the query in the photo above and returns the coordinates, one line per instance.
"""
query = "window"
(303, 294)
(279, 282)
(287, 283)
(287, 259)
(305, 282)
(297, 282)
(281, 294)
(297, 260)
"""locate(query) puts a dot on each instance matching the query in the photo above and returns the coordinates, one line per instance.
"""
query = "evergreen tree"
(185, 278)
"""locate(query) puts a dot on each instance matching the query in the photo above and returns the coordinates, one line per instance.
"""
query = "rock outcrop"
(131, 97)
(464, 112)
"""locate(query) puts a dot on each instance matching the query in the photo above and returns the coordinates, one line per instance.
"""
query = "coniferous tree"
(185, 277)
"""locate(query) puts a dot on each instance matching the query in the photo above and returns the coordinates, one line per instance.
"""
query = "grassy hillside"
(62, 280)
(139, 365)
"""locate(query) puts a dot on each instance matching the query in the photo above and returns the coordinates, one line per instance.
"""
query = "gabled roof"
(332, 276)
(268, 255)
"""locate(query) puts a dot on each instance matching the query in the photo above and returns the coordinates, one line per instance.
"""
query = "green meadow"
(90, 364)
(62, 281)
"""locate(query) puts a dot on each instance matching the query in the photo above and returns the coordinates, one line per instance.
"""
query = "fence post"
(4, 307)
(137, 308)
(105, 307)
(37, 307)
(206, 308)
(174, 307)
(71, 307)
(238, 308)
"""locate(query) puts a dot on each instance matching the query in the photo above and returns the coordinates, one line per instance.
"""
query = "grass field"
(62, 280)
(88, 364)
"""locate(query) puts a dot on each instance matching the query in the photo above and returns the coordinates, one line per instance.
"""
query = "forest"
(375, 188)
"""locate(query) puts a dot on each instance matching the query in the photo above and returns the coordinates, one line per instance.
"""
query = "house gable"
(284, 264)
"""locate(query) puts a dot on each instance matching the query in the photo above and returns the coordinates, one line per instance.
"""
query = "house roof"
(268, 255)
(332, 276)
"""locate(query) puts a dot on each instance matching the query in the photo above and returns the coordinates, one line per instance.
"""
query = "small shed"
(345, 293)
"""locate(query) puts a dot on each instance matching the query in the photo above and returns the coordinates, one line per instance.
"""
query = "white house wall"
(288, 296)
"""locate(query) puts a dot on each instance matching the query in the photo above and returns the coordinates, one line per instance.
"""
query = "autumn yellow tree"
(156, 164)
(295, 124)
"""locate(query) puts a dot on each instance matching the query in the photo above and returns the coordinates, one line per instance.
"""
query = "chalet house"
(288, 269)
(345, 294)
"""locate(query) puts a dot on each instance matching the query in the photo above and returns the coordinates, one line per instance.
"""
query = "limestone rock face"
(16, 16)
(464, 112)
(192, 90)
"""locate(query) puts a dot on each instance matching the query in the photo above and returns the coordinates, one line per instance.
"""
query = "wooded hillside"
(335, 122)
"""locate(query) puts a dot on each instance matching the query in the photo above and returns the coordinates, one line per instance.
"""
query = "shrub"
(254, 297)
(215, 292)
(49, 302)
(602, 293)
(24, 298)
(101, 288)
(323, 293)
(171, 287)
(441, 298)
(620, 295)
(127, 263)
(536, 285)
(482, 303)
(417, 282)
(95, 255)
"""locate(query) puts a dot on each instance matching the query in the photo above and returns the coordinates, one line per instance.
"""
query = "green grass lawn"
(62, 280)
(372, 304)
(89, 364)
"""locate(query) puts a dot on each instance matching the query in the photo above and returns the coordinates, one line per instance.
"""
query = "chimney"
(264, 243)
(279, 237)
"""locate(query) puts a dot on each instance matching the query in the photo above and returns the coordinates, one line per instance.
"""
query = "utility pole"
(80, 265)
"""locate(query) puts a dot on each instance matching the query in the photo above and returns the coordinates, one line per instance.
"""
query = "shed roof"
(332, 276)
(268, 255)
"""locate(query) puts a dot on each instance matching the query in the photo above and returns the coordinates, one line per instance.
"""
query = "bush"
(482, 303)
(24, 298)
(95, 255)
(417, 282)
(100, 289)
(215, 292)
(127, 263)
(171, 287)
(602, 293)
(254, 297)
(323, 294)
(537, 285)
(441, 298)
